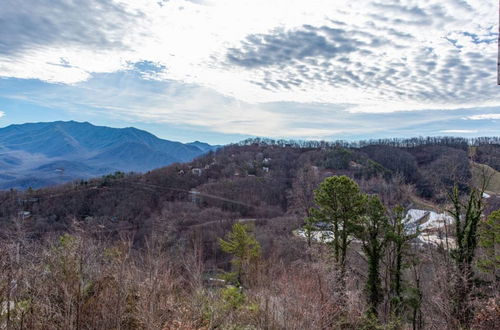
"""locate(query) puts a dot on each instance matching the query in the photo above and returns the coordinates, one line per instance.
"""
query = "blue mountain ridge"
(41, 154)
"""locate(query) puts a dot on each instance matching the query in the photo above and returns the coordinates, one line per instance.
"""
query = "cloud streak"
(459, 131)
(123, 97)
(486, 116)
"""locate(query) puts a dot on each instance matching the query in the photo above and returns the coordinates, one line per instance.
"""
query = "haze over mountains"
(41, 154)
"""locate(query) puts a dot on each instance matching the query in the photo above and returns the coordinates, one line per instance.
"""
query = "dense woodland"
(210, 244)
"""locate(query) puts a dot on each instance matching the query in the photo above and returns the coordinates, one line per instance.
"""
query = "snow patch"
(427, 220)
(320, 236)
(432, 226)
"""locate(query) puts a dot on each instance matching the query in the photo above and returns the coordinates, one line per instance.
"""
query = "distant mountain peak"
(86, 149)
(203, 146)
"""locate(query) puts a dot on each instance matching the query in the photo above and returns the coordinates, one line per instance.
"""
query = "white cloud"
(486, 116)
(459, 131)
(378, 57)
(122, 97)
(2, 114)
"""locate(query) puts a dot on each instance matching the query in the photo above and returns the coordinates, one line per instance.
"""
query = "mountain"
(205, 147)
(249, 180)
(170, 221)
(40, 154)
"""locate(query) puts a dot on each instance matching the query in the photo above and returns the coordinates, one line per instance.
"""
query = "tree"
(371, 231)
(398, 245)
(489, 241)
(244, 248)
(467, 214)
(301, 196)
(339, 203)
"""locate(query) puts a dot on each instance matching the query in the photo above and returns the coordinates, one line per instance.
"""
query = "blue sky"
(223, 70)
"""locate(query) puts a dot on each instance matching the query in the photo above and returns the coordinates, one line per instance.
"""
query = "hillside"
(252, 179)
(493, 177)
(133, 239)
(41, 154)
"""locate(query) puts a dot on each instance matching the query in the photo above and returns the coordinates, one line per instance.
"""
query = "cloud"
(388, 64)
(486, 116)
(65, 41)
(285, 47)
(126, 97)
(45, 23)
(459, 131)
(2, 114)
(240, 66)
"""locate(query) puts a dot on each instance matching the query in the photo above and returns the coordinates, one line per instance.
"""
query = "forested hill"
(256, 178)
(235, 239)
(42, 154)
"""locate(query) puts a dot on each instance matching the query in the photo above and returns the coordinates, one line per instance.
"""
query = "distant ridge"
(41, 154)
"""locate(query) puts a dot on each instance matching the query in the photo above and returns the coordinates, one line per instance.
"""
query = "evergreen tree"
(489, 241)
(398, 245)
(467, 214)
(244, 248)
(371, 231)
(339, 203)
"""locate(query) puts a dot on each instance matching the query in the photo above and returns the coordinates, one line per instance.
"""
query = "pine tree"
(467, 215)
(371, 231)
(398, 240)
(339, 203)
(489, 241)
(244, 248)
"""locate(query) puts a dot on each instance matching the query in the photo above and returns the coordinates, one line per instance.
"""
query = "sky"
(221, 71)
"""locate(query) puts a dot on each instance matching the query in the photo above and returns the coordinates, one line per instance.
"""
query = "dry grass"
(478, 170)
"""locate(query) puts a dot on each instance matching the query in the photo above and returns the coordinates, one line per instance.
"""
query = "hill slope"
(39, 154)
(491, 175)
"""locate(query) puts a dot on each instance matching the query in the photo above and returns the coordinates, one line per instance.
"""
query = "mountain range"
(42, 154)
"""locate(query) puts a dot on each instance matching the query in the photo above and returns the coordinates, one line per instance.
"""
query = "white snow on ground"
(432, 226)
(437, 240)
(427, 220)
(485, 195)
(320, 236)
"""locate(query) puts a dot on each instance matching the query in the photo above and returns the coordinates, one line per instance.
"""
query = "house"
(355, 165)
(194, 196)
(31, 200)
(24, 214)
(197, 171)
(321, 225)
